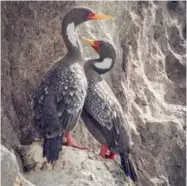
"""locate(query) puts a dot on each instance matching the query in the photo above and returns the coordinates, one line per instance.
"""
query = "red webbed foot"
(105, 153)
(71, 144)
(111, 156)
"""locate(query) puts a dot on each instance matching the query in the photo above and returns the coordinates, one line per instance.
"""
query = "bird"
(61, 94)
(102, 112)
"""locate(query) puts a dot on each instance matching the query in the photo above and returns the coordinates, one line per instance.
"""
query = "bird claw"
(70, 144)
(110, 156)
(105, 153)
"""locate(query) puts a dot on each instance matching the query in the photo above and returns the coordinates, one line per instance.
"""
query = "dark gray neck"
(70, 38)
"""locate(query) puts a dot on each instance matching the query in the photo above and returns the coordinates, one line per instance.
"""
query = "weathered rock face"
(74, 167)
(8, 161)
(149, 79)
(10, 171)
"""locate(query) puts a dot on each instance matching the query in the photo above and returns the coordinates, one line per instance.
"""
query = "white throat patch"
(105, 64)
(72, 34)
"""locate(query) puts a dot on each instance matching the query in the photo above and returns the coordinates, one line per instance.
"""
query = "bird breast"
(72, 85)
(98, 100)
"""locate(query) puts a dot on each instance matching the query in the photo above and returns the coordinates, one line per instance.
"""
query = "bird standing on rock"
(61, 94)
(102, 113)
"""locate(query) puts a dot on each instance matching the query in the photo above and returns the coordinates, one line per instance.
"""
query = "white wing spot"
(59, 114)
(71, 34)
(105, 64)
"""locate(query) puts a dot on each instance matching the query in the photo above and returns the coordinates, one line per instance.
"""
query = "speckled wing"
(62, 94)
(45, 92)
(70, 95)
(102, 105)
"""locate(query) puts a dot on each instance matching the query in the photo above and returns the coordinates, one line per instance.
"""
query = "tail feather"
(133, 173)
(51, 148)
(128, 167)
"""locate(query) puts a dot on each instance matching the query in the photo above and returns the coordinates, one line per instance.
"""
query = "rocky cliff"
(149, 79)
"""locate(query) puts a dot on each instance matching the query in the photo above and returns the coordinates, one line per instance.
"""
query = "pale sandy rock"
(10, 170)
(74, 167)
(9, 167)
(22, 181)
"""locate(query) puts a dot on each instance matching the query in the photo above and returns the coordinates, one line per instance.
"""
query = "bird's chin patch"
(103, 65)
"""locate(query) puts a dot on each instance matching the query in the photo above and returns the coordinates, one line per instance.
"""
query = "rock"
(8, 135)
(10, 171)
(74, 167)
(149, 79)
(22, 181)
(9, 167)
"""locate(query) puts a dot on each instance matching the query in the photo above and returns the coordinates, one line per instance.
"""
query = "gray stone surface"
(149, 79)
(10, 170)
(9, 167)
(74, 167)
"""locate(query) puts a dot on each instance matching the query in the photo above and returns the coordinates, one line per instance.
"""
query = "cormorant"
(61, 94)
(102, 112)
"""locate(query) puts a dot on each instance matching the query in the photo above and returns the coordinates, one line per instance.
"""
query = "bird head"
(105, 49)
(107, 54)
(79, 15)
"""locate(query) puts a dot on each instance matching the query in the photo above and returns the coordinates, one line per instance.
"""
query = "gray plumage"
(103, 114)
(103, 107)
(60, 97)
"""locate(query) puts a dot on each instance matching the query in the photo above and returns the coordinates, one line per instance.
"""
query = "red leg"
(104, 149)
(111, 156)
(70, 143)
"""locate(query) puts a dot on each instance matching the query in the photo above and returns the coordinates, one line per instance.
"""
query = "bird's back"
(107, 122)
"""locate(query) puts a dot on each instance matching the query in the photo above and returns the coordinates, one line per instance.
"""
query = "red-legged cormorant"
(61, 94)
(102, 112)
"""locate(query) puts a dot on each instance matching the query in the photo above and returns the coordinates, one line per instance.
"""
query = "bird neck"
(70, 39)
(103, 65)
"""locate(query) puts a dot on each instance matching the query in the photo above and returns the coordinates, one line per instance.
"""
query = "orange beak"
(90, 42)
(93, 16)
